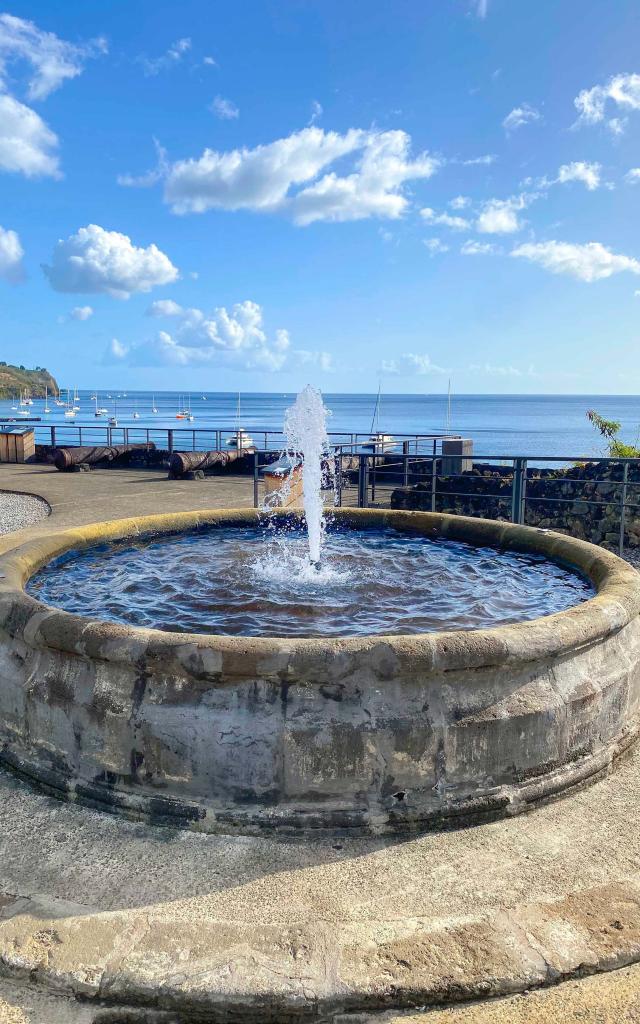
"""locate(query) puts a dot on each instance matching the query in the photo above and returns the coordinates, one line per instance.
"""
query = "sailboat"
(46, 400)
(23, 410)
(58, 400)
(98, 411)
(136, 414)
(153, 404)
(70, 410)
(241, 439)
(379, 442)
(113, 420)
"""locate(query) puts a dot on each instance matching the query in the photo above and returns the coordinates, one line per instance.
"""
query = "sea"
(499, 425)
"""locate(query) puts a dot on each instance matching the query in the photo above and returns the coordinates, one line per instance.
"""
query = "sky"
(261, 194)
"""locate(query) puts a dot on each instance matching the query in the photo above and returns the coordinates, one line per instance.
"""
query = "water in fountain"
(305, 427)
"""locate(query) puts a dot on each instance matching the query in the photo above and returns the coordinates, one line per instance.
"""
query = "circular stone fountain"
(374, 733)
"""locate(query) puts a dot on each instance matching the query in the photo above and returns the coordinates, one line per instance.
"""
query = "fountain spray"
(305, 427)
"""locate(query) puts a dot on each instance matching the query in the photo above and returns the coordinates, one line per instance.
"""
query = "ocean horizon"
(499, 425)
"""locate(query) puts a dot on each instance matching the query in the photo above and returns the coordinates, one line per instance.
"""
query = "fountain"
(305, 429)
(400, 678)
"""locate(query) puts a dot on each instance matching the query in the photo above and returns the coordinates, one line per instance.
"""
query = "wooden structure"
(17, 445)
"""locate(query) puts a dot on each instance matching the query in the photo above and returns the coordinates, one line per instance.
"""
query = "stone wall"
(558, 499)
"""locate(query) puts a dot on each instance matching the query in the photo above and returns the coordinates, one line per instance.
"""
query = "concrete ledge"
(221, 970)
(381, 733)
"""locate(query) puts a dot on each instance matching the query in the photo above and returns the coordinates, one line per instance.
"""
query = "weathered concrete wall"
(373, 733)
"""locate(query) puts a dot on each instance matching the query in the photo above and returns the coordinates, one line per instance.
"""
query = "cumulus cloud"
(27, 145)
(588, 262)
(165, 307)
(580, 170)
(621, 91)
(154, 65)
(500, 216)
(235, 338)
(473, 248)
(224, 109)
(520, 116)
(632, 177)
(81, 312)
(11, 253)
(96, 260)
(409, 364)
(286, 177)
(52, 60)
(435, 246)
(459, 202)
(446, 219)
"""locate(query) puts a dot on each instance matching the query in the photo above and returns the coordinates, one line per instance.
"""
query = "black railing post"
(256, 478)
(518, 490)
(623, 504)
(405, 463)
(337, 479)
(363, 481)
(434, 469)
(170, 441)
(53, 437)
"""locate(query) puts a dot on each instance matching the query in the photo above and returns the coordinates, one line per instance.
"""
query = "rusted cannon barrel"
(66, 459)
(182, 463)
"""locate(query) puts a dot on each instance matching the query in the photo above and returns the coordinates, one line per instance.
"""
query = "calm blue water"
(498, 424)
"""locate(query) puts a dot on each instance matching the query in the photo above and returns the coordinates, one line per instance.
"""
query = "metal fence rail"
(364, 480)
(212, 438)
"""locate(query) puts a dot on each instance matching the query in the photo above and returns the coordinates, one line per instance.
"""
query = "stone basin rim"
(616, 603)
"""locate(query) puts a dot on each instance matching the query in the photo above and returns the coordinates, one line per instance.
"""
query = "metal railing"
(212, 438)
(522, 487)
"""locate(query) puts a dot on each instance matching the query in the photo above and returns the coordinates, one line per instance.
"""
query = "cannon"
(68, 460)
(193, 465)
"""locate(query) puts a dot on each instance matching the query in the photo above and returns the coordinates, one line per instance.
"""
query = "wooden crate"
(17, 445)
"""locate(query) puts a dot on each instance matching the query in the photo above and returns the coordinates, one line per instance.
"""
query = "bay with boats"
(554, 425)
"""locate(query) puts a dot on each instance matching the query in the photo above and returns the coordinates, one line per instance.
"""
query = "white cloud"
(589, 262)
(500, 216)
(580, 170)
(263, 179)
(520, 116)
(11, 253)
(151, 177)
(234, 338)
(499, 371)
(483, 161)
(96, 260)
(473, 248)
(27, 145)
(165, 307)
(316, 112)
(632, 177)
(52, 60)
(481, 7)
(459, 202)
(457, 223)
(153, 66)
(81, 312)
(226, 110)
(115, 350)
(322, 361)
(435, 246)
(409, 364)
(621, 90)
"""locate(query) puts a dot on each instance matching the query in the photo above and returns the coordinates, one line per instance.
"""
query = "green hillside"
(14, 379)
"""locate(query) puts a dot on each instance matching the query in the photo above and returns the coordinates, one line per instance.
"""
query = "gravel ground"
(20, 510)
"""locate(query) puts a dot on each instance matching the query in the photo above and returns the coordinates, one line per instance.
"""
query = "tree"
(609, 429)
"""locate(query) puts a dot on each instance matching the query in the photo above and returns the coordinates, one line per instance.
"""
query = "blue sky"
(260, 194)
